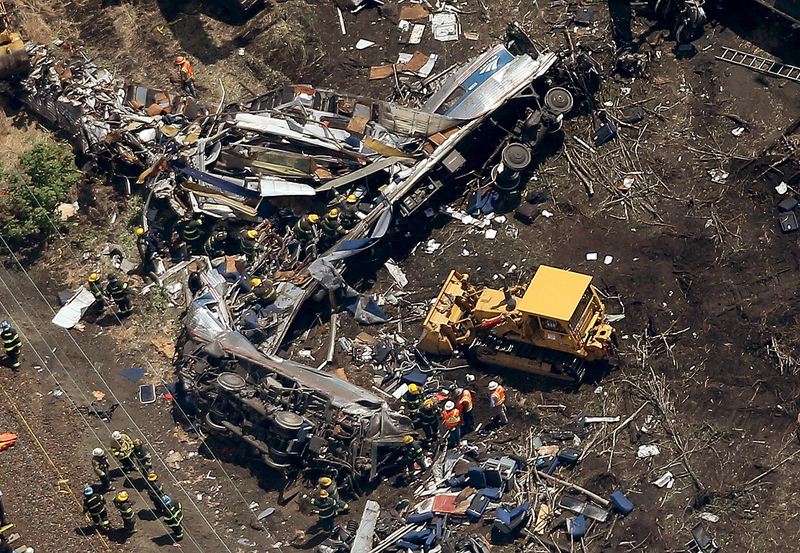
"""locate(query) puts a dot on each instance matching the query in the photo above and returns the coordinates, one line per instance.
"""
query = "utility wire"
(61, 387)
(60, 476)
(152, 371)
(86, 399)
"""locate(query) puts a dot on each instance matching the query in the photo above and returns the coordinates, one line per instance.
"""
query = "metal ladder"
(757, 63)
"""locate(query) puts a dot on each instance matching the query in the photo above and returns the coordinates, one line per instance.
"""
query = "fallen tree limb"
(591, 495)
(770, 470)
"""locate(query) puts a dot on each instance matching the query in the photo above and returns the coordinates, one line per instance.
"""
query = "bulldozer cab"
(559, 309)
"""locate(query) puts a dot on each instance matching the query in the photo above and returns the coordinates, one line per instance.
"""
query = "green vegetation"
(30, 193)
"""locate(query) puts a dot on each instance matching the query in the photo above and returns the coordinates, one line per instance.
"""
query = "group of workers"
(312, 230)
(115, 291)
(456, 414)
(132, 455)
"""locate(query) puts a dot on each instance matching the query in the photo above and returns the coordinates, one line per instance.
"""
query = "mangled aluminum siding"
(413, 122)
(502, 85)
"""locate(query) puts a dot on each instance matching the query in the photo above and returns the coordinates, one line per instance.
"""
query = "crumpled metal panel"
(502, 85)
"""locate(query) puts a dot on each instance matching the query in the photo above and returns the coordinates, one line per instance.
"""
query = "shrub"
(30, 193)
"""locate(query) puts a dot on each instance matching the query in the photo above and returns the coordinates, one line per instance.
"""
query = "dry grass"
(16, 136)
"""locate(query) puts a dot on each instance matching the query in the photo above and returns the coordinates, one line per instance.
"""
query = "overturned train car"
(293, 417)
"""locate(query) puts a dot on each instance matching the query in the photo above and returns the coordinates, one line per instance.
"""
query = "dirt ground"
(700, 270)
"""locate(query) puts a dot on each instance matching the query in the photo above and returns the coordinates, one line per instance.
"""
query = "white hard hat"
(29, 550)
(97, 452)
(470, 378)
(116, 434)
(449, 405)
(492, 385)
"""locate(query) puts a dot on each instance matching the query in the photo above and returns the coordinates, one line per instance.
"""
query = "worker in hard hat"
(411, 400)
(451, 418)
(186, 75)
(464, 403)
(427, 419)
(94, 505)
(349, 211)
(102, 468)
(305, 229)
(217, 242)
(12, 345)
(326, 510)
(96, 288)
(263, 290)
(122, 450)
(119, 293)
(147, 247)
(192, 233)
(155, 491)
(142, 457)
(248, 243)
(123, 504)
(331, 226)
(173, 517)
(411, 454)
(328, 484)
(497, 401)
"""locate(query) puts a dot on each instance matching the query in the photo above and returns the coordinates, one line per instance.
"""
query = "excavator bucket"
(13, 57)
(439, 330)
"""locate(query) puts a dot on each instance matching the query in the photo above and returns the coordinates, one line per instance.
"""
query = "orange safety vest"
(452, 418)
(186, 68)
(465, 401)
(499, 396)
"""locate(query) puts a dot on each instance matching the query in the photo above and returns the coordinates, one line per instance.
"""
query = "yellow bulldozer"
(550, 328)
(13, 57)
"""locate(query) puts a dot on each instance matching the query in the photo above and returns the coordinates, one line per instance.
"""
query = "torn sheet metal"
(291, 414)
(69, 315)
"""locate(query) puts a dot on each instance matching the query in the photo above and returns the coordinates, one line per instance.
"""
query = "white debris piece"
(782, 188)
(546, 214)
(69, 315)
(397, 273)
(465, 253)
(710, 517)
(591, 256)
(305, 354)
(718, 175)
(666, 480)
(416, 33)
(646, 451)
(490, 234)
(608, 259)
(738, 131)
(431, 246)
(444, 26)
(363, 44)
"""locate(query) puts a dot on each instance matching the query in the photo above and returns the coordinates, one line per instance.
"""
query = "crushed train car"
(293, 417)
(300, 150)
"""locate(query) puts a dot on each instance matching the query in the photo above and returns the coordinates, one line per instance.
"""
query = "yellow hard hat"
(152, 477)
(408, 439)
(255, 282)
(428, 404)
(122, 496)
(333, 212)
(94, 277)
(139, 231)
(323, 493)
(313, 218)
(325, 481)
(252, 234)
(413, 388)
(351, 199)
